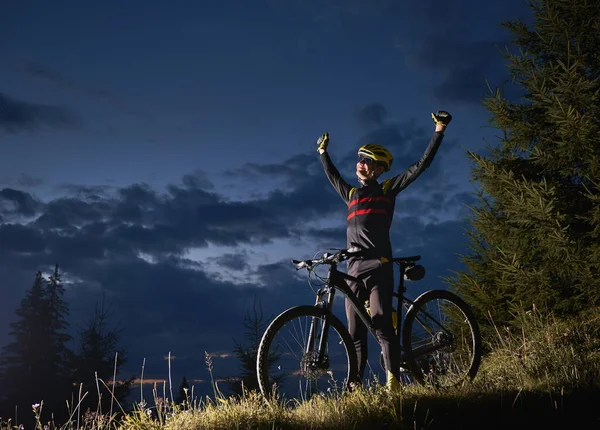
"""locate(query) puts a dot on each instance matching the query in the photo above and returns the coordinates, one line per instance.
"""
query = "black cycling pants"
(377, 286)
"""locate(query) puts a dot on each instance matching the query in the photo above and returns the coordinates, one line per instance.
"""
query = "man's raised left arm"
(398, 183)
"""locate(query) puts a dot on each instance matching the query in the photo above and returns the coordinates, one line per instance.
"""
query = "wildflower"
(35, 406)
(208, 361)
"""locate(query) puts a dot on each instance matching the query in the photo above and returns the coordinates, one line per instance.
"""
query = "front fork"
(327, 305)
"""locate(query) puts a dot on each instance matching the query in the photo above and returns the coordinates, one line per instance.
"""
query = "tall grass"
(545, 352)
(545, 374)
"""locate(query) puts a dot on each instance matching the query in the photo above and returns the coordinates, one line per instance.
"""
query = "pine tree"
(98, 358)
(535, 232)
(22, 363)
(247, 353)
(59, 356)
(183, 393)
(35, 367)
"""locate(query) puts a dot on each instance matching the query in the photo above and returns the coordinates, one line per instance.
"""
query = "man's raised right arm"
(342, 187)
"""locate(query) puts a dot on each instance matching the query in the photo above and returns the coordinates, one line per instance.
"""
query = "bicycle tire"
(438, 372)
(266, 349)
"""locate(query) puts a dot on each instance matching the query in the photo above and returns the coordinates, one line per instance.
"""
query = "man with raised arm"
(370, 213)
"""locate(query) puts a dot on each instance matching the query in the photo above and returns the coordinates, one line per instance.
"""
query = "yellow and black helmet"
(377, 153)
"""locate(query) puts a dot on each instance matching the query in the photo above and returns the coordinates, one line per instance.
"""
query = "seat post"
(401, 287)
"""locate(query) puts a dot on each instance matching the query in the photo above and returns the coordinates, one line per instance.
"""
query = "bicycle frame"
(416, 337)
(337, 280)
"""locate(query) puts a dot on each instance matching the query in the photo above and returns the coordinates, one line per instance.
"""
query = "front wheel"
(291, 365)
(441, 339)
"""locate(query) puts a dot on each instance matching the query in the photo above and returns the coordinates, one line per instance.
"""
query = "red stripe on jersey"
(368, 199)
(368, 211)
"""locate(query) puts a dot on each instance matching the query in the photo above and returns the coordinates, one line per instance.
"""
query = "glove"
(441, 117)
(322, 142)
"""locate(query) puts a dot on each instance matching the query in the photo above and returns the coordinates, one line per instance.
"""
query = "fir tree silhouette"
(535, 231)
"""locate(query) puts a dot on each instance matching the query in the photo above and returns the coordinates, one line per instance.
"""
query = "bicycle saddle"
(406, 260)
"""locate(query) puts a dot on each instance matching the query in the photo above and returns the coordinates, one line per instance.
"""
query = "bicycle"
(435, 350)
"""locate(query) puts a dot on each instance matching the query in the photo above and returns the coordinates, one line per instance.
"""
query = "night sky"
(163, 153)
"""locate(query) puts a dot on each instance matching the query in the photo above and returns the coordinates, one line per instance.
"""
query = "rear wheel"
(289, 364)
(441, 339)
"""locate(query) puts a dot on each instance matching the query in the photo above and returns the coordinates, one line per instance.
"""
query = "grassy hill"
(546, 375)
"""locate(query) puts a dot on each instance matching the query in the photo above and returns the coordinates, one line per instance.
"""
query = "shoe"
(392, 384)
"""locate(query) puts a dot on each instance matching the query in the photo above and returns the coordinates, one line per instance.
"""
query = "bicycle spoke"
(303, 371)
(443, 340)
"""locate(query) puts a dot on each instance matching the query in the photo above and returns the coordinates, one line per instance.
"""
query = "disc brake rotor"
(313, 368)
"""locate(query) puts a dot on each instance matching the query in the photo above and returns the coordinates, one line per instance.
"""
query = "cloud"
(45, 73)
(35, 69)
(40, 71)
(17, 116)
(459, 46)
(94, 224)
(292, 170)
(276, 275)
(467, 68)
(197, 179)
(16, 238)
(28, 181)
(233, 261)
(454, 46)
(16, 203)
(138, 218)
(372, 115)
(95, 231)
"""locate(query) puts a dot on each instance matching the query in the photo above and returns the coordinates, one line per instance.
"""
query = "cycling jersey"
(371, 206)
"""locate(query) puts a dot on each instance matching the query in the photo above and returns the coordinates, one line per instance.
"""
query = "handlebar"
(327, 258)
(344, 254)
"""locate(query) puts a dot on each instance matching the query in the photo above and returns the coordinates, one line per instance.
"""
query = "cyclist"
(370, 213)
